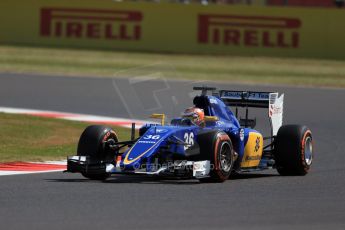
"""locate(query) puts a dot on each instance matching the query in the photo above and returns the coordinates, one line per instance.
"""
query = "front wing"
(87, 165)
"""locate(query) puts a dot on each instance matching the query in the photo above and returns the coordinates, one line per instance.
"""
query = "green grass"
(28, 138)
(262, 70)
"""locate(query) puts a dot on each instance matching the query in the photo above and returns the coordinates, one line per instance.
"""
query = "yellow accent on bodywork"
(253, 150)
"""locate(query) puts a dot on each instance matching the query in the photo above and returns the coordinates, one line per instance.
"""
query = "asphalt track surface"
(252, 201)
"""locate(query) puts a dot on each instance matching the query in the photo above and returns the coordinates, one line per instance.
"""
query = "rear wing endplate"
(270, 100)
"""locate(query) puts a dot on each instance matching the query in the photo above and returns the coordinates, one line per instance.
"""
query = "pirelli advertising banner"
(173, 27)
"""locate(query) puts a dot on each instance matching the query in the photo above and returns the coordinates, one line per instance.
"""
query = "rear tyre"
(293, 150)
(217, 148)
(92, 143)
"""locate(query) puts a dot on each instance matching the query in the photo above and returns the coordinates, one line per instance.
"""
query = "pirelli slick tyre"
(218, 149)
(293, 150)
(92, 143)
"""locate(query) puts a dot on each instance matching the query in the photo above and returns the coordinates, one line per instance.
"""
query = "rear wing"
(270, 100)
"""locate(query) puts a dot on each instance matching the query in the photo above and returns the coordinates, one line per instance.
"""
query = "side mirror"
(159, 116)
(211, 118)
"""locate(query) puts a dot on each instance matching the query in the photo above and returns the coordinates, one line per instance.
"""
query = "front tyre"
(217, 148)
(92, 143)
(293, 150)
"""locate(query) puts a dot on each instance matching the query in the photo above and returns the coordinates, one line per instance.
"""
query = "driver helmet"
(196, 115)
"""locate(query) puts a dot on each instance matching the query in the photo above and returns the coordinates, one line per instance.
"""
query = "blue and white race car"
(211, 152)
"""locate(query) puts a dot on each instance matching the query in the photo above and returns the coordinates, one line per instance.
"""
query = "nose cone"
(145, 147)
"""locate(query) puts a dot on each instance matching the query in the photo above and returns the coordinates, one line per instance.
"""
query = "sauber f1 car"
(224, 145)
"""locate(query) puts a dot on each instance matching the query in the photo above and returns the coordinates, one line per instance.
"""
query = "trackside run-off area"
(43, 128)
(114, 64)
(16, 168)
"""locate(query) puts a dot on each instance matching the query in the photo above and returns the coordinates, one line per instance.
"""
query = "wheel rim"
(106, 152)
(308, 150)
(225, 157)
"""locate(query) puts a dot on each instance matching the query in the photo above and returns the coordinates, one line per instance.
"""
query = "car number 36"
(189, 140)
(152, 137)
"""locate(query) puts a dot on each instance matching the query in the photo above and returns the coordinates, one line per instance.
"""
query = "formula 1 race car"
(225, 144)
